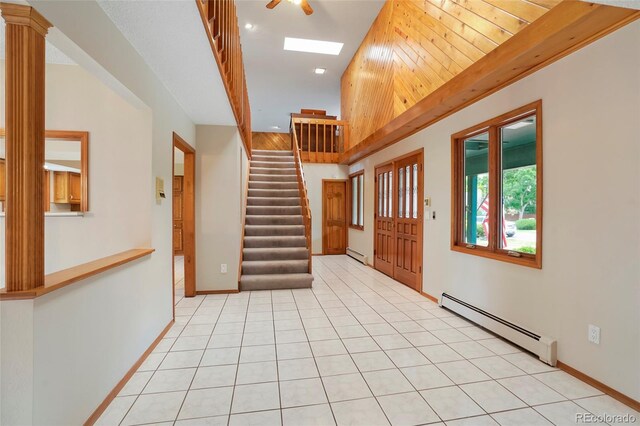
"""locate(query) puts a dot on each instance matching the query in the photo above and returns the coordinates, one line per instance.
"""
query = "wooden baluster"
(309, 141)
(324, 143)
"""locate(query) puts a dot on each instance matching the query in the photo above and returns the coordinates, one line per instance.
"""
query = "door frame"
(188, 216)
(346, 210)
(393, 162)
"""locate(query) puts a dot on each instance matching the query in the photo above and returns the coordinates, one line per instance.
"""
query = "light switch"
(159, 189)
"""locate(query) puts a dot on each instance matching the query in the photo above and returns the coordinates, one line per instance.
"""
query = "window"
(356, 189)
(497, 188)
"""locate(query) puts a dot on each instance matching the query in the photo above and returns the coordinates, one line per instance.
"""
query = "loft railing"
(302, 187)
(320, 140)
(221, 23)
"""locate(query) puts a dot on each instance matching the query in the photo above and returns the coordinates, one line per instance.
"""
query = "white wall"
(313, 175)
(591, 272)
(87, 336)
(220, 189)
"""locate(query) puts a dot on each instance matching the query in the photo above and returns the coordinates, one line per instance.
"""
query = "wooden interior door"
(407, 266)
(383, 217)
(178, 209)
(334, 216)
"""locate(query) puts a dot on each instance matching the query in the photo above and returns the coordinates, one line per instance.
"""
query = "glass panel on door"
(385, 192)
(400, 191)
(391, 193)
(407, 193)
(379, 196)
(415, 191)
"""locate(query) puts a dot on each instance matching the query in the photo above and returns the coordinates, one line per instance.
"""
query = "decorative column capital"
(17, 14)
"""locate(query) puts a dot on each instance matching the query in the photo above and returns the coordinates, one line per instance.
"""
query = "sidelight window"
(356, 188)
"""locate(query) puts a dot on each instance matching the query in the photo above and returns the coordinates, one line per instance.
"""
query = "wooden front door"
(177, 215)
(399, 220)
(408, 198)
(334, 216)
(383, 218)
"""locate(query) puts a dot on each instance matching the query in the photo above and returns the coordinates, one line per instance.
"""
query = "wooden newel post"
(25, 74)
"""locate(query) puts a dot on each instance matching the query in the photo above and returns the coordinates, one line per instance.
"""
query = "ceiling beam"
(564, 29)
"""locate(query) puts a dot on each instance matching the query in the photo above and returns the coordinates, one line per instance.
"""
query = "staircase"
(275, 254)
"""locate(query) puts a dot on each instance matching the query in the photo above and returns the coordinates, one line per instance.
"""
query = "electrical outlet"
(594, 334)
(223, 268)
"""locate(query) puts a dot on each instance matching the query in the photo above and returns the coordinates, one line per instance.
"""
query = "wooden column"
(25, 72)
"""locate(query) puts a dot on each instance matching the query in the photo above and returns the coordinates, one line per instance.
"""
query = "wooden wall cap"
(18, 14)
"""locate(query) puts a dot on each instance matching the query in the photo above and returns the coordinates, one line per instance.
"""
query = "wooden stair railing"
(221, 24)
(321, 140)
(302, 187)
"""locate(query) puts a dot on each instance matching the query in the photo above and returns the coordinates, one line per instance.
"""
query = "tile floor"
(358, 349)
(178, 277)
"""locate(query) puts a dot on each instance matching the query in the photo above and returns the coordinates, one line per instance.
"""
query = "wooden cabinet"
(178, 209)
(47, 190)
(67, 187)
(3, 180)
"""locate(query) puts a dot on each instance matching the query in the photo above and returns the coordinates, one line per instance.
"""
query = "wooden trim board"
(243, 218)
(118, 387)
(188, 214)
(619, 396)
(230, 291)
(430, 297)
(65, 277)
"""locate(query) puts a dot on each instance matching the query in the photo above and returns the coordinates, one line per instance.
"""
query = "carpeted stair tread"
(275, 253)
(273, 230)
(273, 201)
(273, 158)
(269, 267)
(272, 171)
(290, 219)
(275, 281)
(277, 193)
(271, 152)
(256, 177)
(273, 164)
(275, 186)
(274, 210)
(275, 241)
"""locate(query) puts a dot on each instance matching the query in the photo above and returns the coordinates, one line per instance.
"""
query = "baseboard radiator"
(543, 346)
(357, 256)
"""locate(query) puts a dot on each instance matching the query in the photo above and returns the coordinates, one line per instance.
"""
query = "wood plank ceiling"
(416, 46)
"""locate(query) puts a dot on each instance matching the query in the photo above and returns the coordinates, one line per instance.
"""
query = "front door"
(398, 220)
(334, 216)
(383, 218)
(408, 195)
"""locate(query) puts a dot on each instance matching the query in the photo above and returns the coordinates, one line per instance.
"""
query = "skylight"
(312, 46)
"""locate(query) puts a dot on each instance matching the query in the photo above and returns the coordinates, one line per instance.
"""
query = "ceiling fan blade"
(273, 3)
(308, 10)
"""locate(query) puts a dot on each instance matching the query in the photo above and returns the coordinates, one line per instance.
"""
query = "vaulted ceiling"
(416, 46)
(281, 82)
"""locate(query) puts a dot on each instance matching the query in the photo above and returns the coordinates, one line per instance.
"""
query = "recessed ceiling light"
(297, 2)
(312, 46)
(248, 26)
(320, 70)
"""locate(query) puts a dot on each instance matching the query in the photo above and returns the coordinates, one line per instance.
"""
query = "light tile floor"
(178, 277)
(357, 349)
